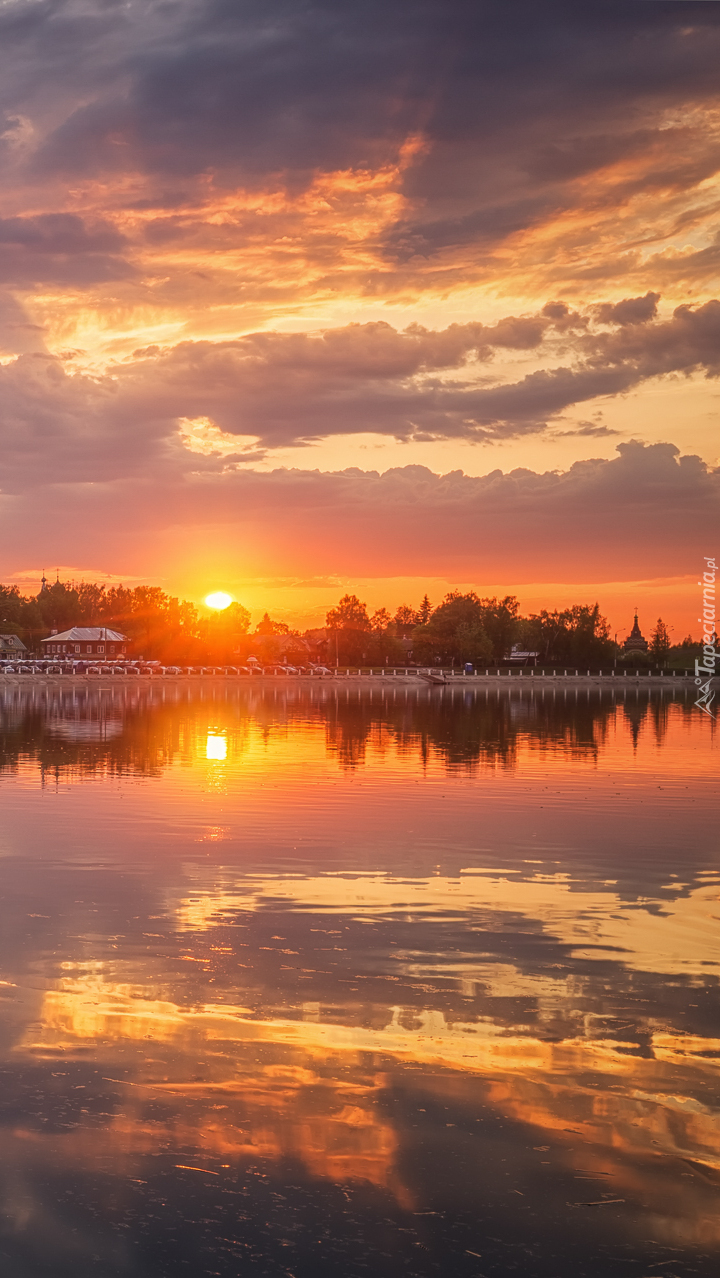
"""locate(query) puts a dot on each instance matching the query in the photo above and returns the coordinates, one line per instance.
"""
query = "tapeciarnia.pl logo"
(705, 669)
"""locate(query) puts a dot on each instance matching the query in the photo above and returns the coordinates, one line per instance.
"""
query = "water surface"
(420, 981)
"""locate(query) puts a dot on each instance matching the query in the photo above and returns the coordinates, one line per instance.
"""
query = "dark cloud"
(632, 310)
(59, 248)
(252, 88)
(59, 233)
(516, 102)
(293, 387)
(290, 388)
(588, 430)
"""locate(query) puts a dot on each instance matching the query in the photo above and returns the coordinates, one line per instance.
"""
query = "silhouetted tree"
(660, 643)
(350, 614)
(424, 611)
(577, 634)
(380, 621)
(269, 627)
(455, 631)
(405, 620)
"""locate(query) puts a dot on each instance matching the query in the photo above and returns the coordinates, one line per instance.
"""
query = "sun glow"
(218, 600)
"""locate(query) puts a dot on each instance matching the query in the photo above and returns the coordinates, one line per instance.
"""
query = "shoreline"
(511, 679)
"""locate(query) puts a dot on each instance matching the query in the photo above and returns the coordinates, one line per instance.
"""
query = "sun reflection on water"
(216, 746)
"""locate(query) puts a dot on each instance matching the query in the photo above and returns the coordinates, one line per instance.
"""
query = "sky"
(302, 296)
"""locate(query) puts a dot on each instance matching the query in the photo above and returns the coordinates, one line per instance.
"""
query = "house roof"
(12, 641)
(87, 634)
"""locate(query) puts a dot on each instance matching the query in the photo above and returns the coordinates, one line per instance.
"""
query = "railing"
(506, 672)
(525, 673)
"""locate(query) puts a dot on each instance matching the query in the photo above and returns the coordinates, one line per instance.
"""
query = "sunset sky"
(302, 296)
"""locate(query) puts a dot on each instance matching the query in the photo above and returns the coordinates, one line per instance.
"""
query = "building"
(86, 643)
(635, 642)
(11, 646)
(523, 657)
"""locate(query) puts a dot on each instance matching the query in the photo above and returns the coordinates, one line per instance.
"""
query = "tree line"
(482, 631)
(463, 627)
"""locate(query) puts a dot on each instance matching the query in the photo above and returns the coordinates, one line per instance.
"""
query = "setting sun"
(218, 600)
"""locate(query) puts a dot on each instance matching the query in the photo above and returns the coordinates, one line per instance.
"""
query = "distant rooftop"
(88, 634)
(12, 641)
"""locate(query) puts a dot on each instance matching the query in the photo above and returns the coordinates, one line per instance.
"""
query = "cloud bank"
(640, 514)
(271, 390)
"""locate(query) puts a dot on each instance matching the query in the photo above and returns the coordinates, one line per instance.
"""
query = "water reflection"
(143, 729)
(329, 984)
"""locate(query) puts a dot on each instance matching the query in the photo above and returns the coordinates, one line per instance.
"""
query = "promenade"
(509, 679)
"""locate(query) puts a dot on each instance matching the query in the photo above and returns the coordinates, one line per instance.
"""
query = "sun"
(218, 600)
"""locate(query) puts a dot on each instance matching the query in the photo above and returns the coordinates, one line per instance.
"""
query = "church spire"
(636, 641)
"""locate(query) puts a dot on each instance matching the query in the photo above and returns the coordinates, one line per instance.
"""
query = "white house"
(86, 642)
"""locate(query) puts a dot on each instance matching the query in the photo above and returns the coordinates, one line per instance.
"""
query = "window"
(77, 647)
(88, 647)
(101, 647)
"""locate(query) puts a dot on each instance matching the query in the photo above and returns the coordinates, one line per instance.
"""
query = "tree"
(350, 627)
(466, 628)
(455, 631)
(92, 600)
(380, 621)
(13, 611)
(350, 614)
(269, 627)
(405, 620)
(59, 606)
(574, 635)
(500, 622)
(424, 611)
(660, 643)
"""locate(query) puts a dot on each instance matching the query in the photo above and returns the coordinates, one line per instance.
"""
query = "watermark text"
(705, 668)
